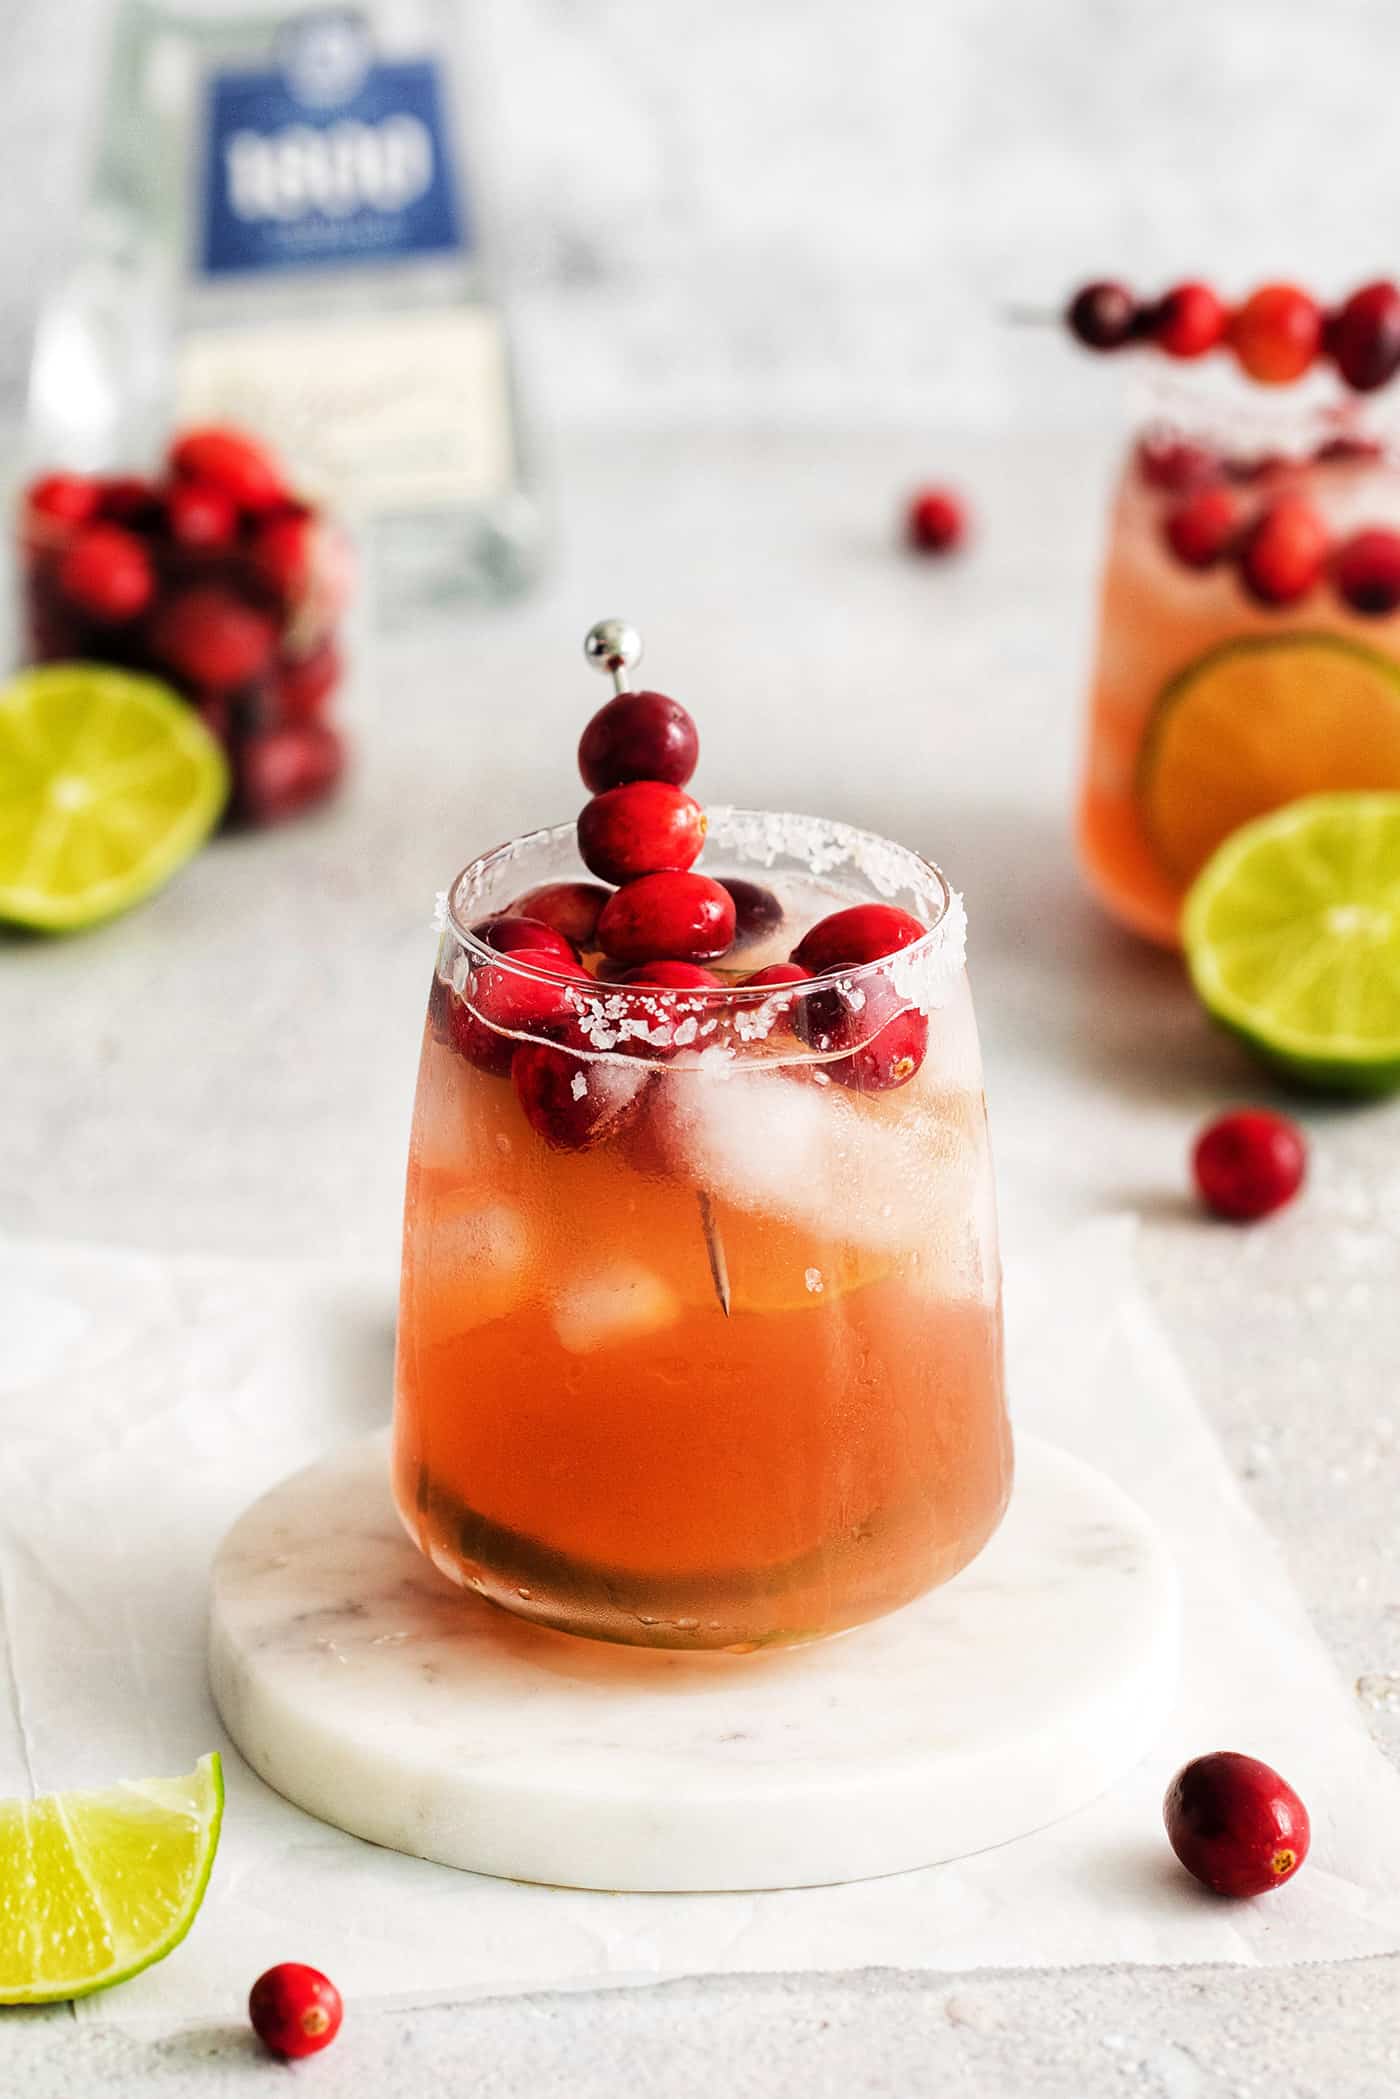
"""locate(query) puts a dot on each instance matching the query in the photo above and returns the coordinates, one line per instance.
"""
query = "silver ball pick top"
(612, 646)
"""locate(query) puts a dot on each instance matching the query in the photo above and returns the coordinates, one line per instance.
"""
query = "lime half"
(1292, 936)
(108, 783)
(96, 1886)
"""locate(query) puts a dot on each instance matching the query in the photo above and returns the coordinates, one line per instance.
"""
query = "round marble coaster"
(365, 1687)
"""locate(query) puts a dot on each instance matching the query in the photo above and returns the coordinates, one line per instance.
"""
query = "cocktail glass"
(700, 1331)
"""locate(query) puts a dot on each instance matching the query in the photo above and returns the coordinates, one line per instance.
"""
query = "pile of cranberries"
(1277, 335)
(1254, 516)
(651, 922)
(216, 578)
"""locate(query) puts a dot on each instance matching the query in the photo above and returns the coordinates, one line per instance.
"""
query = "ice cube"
(485, 1240)
(618, 1303)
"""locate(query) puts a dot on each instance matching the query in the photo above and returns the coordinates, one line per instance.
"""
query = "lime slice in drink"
(108, 783)
(1259, 722)
(96, 1886)
(1292, 936)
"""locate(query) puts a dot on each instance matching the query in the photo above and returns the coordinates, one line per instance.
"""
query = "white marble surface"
(364, 1687)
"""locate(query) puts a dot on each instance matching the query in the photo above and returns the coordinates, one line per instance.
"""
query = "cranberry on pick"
(573, 1102)
(1285, 552)
(1248, 1164)
(935, 521)
(65, 499)
(200, 515)
(683, 917)
(1363, 336)
(1367, 571)
(234, 463)
(638, 736)
(295, 2010)
(107, 573)
(571, 908)
(859, 934)
(1235, 1824)
(757, 911)
(279, 771)
(643, 828)
(1203, 529)
(1103, 315)
(1277, 333)
(1188, 321)
(211, 638)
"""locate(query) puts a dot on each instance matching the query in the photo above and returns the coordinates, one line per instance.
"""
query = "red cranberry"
(861, 933)
(295, 2010)
(280, 551)
(512, 933)
(1248, 471)
(757, 912)
(504, 1003)
(305, 683)
(776, 973)
(638, 736)
(644, 828)
(199, 514)
(211, 638)
(1203, 529)
(1176, 464)
(685, 917)
(672, 976)
(1249, 1163)
(107, 573)
(1363, 336)
(1235, 1824)
(1276, 334)
(571, 908)
(1285, 552)
(1103, 316)
(128, 499)
(889, 1059)
(575, 1103)
(233, 463)
(935, 521)
(885, 1039)
(279, 771)
(1367, 570)
(66, 499)
(1348, 449)
(1188, 321)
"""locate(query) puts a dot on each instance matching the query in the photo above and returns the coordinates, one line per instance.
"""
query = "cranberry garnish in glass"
(700, 1333)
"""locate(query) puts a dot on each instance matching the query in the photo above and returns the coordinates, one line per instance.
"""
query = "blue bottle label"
(328, 157)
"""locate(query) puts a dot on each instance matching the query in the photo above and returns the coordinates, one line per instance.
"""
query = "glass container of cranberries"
(1249, 624)
(217, 577)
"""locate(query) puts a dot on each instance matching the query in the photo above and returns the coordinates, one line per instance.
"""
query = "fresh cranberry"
(644, 828)
(861, 933)
(1203, 529)
(199, 514)
(107, 573)
(233, 463)
(935, 521)
(504, 1003)
(638, 736)
(129, 499)
(280, 551)
(1248, 1164)
(66, 499)
(575, 1103)
(211, 638)
(1363, 336)
(305, 683)
(512, 933)
(1367, 570)
(888, 1059)
(776, 973)
(1103, 315)
(757, 911)
(672, 976)
(884, 1039)
(1235, 1824)
(1276, 334)
(684, 917)
(295, 2010)
(572, 908)
(1284, 552)
(1188, 321)
(1349, 449)
(1176, 464)
(279, 771)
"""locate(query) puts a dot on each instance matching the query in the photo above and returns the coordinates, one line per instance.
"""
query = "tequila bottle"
(280, 234)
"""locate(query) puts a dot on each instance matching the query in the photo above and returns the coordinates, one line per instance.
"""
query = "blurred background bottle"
(280, 233)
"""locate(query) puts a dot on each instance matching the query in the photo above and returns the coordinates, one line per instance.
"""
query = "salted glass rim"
(868, 851)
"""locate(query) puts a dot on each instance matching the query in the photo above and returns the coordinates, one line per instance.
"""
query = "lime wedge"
(1292, 937)
(96, 1886)
(108, 783)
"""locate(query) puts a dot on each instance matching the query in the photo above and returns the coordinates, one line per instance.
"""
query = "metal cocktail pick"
(614, 647)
